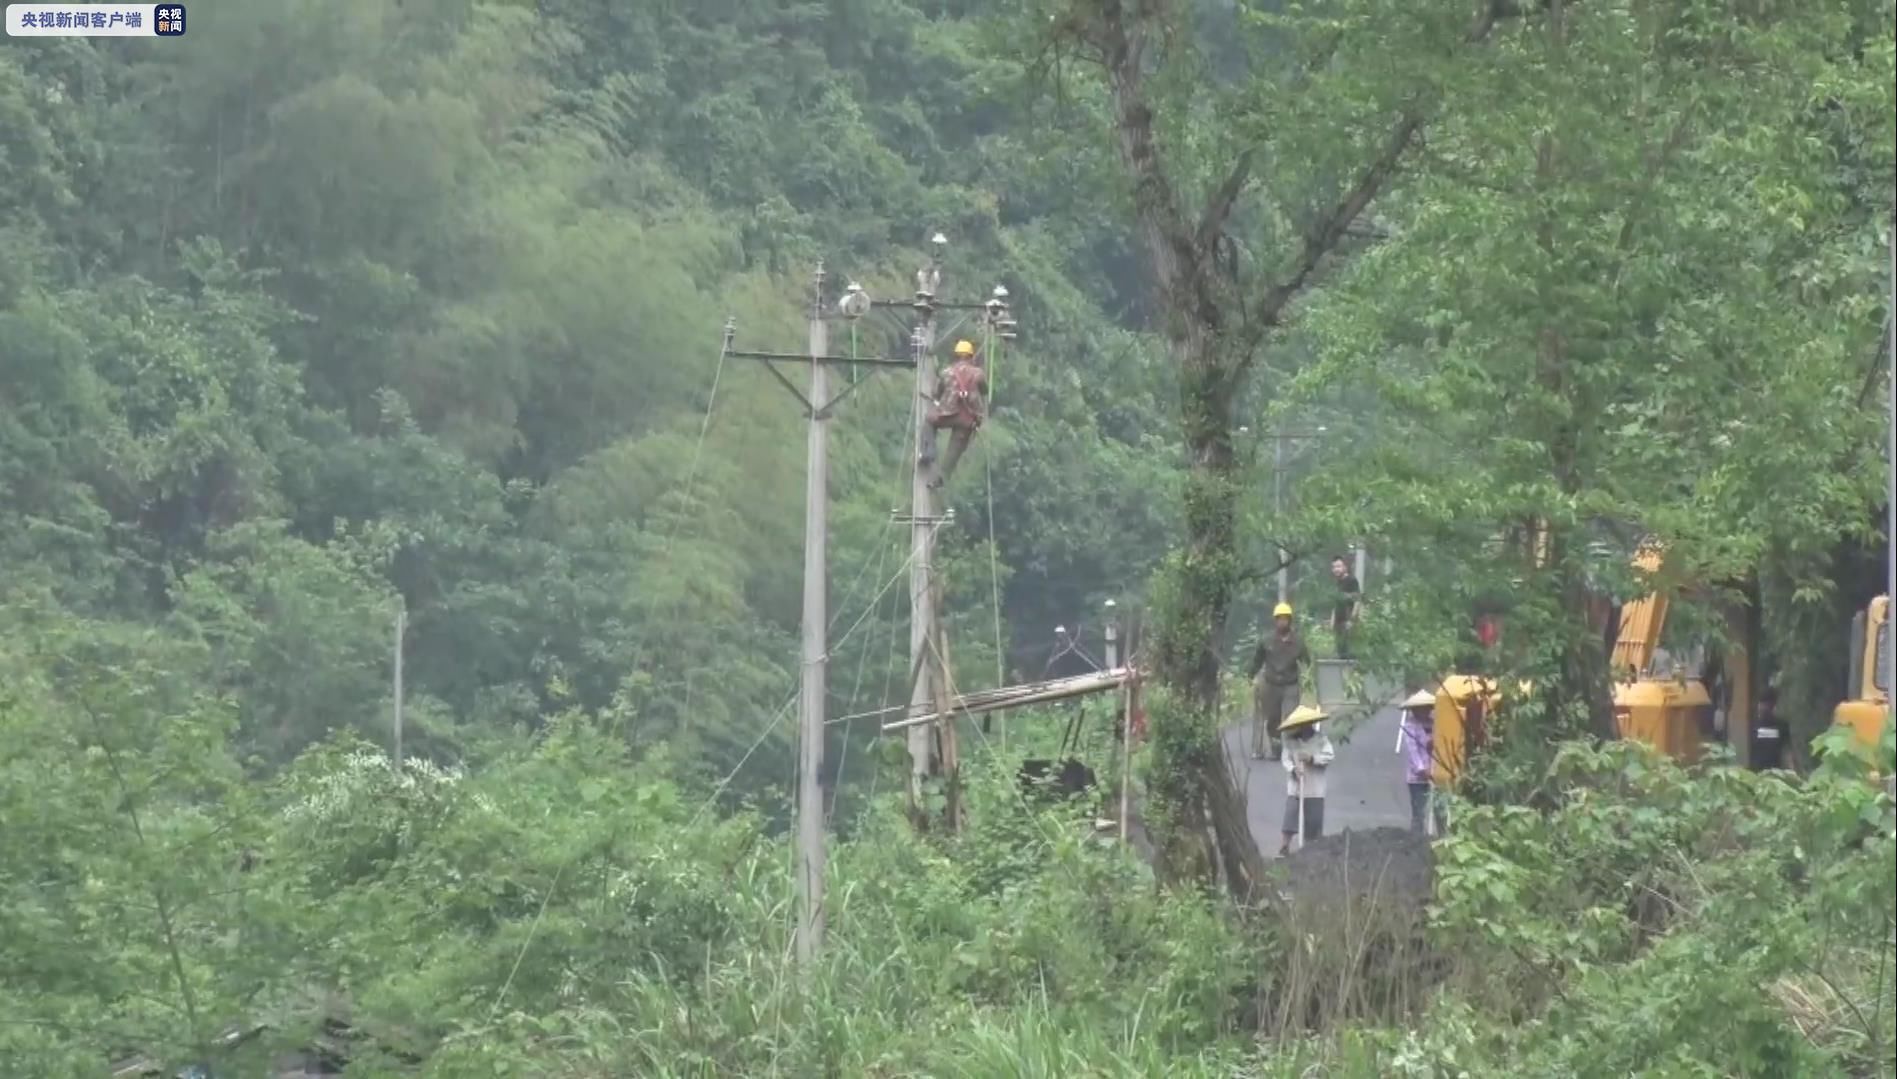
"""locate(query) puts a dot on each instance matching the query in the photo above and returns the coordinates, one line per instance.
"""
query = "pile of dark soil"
(1352, 914)
(1384, 864)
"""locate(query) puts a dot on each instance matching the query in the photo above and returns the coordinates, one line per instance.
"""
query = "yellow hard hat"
(964, 347)
(1282, 610)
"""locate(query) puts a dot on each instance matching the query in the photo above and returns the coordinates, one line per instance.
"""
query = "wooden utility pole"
(818, 406)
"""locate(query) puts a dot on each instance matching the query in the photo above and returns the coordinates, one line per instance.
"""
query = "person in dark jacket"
(1277, 667)
(1349, 604)
(1769, 734)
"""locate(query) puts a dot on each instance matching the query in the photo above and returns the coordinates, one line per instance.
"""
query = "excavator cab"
(1669, 714)
(1867, 711)
(1464, 704)
(1660, 699)
(1469, 714)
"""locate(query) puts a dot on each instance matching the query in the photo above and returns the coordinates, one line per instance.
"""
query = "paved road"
(1366, 782)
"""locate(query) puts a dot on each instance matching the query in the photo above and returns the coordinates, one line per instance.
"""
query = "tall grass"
(1686, 918)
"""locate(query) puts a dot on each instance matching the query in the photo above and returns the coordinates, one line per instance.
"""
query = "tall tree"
(1634, 289)
(1241, 187)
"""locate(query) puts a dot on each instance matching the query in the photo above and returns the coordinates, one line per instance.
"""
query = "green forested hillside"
(327, 311)
(309, 312)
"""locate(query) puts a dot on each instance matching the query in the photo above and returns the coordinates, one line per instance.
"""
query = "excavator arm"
(1641, 622)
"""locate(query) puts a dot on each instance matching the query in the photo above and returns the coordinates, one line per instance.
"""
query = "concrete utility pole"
(818, 406)
(933, 747)
(924, 665)
(1126, 717)
(1890, 483)
(810, 850)
(401, 631)
(996, 309)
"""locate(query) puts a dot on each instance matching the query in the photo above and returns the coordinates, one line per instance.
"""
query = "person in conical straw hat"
(1417, 742)
(1307, 756)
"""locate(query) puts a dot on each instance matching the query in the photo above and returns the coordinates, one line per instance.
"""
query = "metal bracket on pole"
(788, 386)
(770, 360)
(960, 321)
(793, 357)
(933, 305)
(830, 405)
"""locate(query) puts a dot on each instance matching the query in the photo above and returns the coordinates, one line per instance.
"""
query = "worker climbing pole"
(955, 402)
(959, 407)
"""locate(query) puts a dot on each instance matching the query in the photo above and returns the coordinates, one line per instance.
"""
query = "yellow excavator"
(1655, 703)
(1466, 706)
(1867, 711)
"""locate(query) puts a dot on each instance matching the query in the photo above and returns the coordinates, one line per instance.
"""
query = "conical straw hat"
(1303, 716)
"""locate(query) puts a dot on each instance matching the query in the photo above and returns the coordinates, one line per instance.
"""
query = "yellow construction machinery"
(1465, 706)
(1868, 710)
(1656, 703)
(1661, 700)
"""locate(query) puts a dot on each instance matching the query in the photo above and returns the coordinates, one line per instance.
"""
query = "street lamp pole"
(1277, 518)
(1890, 482)
(1277, 504)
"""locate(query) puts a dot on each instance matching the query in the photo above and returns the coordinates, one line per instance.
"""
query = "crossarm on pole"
(1006, 697)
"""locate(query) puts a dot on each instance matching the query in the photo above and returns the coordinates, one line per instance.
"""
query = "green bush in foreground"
(564, 909)
(1661, 921)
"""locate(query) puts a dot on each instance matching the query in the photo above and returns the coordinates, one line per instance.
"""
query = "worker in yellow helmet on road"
(959, 406)
(1276, 670)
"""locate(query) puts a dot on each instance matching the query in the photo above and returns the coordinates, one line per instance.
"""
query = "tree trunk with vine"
(1214, 326)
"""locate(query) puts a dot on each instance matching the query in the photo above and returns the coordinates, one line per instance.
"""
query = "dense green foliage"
(305, 314)
(1636, 288)
(569, 910)
(330, 311)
